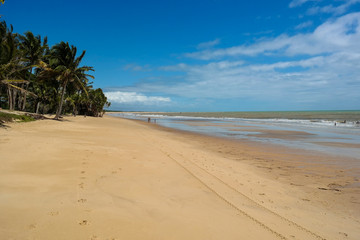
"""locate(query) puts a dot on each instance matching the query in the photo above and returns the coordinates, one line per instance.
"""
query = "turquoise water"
(332, 132)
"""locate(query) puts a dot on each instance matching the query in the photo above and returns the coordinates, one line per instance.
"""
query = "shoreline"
(119, 178)
(331, 159)
(286, 164)
(337, 141)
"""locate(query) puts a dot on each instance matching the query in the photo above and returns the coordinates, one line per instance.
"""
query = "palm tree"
(45, 89)
(57, 76)
(97, 101)
(32, 53)
(64, 65)
(11, 68)
(2, 2)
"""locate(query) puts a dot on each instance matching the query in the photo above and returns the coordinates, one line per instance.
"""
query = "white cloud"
(298, 3)
(328, 79)
(214, 65)
(339, 35)
(303, 71)
(137, 68)
(304, 25)
(336, 10)
(208, 44)
(134, 97)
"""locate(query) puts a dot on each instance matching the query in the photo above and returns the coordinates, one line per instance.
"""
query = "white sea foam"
(300, 122)
(319, 130)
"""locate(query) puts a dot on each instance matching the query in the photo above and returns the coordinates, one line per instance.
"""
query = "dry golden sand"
(110, 178)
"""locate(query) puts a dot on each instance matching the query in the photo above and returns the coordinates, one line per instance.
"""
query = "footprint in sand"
(114, 172)
(343, 234)
(82, 200)
(84, 222)
(94, 237)
(81, 185)
(55, 213)
(82, 172)
(32, 226)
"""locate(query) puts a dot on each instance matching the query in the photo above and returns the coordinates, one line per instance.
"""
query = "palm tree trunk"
(10, 98)
(25, 95)
(20, 98)
(24, 99)
(38, 107)
(14, 93)
(58, 112)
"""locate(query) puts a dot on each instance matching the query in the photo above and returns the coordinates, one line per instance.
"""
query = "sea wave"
(268, 130)
(303, 122)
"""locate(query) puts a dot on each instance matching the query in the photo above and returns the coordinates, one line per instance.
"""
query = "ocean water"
(332, 132)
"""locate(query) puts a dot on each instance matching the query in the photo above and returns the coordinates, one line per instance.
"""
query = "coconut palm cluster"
(45, 80)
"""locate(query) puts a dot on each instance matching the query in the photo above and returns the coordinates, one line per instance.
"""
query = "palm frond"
(21, 89)
(78, 59)
(88, 75)
(82, 85)
(14, 81)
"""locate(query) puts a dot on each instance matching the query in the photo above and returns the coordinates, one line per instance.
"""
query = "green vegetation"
(41, 79)
(9, 117)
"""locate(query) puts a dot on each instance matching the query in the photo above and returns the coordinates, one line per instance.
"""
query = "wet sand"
(111, 178)
(338, 144)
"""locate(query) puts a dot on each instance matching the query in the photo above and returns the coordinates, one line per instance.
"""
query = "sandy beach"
(112, 178)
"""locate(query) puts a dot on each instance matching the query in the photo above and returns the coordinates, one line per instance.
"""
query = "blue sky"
(214, 55)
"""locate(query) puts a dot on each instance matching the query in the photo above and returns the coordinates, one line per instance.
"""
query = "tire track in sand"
(282, 228)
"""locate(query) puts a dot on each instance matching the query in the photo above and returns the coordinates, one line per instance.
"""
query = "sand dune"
(110, 178)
